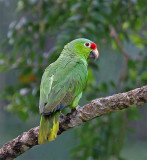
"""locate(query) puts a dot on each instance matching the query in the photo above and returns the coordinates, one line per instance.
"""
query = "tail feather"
(49, 126)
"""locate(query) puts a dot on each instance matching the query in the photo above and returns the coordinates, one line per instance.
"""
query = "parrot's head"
(84, 48)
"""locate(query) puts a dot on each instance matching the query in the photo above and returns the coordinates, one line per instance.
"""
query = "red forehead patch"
(93, 46)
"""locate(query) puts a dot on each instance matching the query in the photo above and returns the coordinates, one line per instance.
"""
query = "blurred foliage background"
(32, 35)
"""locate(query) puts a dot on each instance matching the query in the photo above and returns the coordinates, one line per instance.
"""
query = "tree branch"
(95, 108)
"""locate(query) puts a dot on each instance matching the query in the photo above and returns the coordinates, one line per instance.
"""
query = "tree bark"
(95, 108)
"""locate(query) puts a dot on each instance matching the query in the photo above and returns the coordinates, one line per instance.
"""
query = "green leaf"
(91, 26)
(113, 84)
(75, 17)
(98, 17)
(75, 6)
(23, 115)
(144, 77)
(133, 75)
(2, 68)
(103, 87)
(132, 113)
(138, 40)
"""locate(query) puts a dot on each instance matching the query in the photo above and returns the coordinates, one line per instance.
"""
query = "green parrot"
(62, 84)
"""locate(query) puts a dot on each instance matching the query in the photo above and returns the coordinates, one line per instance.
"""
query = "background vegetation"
(36, 37)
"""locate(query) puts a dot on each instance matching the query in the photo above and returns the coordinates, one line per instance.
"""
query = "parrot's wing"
(45, 89)
(69, 79)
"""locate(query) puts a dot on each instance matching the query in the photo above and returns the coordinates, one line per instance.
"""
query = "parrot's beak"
(94, 54)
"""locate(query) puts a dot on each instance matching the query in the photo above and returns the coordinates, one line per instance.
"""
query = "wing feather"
(67, 80)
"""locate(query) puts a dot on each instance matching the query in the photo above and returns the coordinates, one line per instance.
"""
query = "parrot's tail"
(49, 126)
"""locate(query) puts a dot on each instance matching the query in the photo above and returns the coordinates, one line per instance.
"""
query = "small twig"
(114, 35)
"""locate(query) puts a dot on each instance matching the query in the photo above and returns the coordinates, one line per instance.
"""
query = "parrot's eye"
(87, 44)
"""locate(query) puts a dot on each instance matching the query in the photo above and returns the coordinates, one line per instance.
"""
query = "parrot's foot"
(73, 109)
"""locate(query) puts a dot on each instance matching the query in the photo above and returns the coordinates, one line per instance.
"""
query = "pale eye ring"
(87, 45)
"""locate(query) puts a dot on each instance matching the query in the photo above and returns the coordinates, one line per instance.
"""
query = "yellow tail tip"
(53, 133)
(48, 131)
